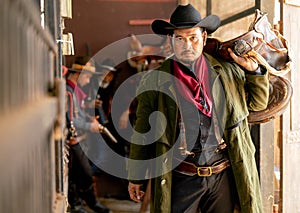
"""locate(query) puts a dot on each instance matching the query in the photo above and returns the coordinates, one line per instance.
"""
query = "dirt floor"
(121, 206)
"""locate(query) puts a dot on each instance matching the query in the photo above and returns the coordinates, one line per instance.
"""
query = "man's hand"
(124, 120)
(94, 125)
(93, 104)
(248, 63)
(135, 192)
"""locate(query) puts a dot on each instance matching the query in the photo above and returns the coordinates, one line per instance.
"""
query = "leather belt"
(76, 140)
(202, 171)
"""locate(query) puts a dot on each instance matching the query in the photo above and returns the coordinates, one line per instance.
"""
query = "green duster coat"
(233, 93)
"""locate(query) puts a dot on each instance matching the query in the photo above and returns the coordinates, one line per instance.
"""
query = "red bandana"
(78, 92)
(199, 92)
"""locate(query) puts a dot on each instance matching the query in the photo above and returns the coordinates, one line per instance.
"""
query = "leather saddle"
(270, 48)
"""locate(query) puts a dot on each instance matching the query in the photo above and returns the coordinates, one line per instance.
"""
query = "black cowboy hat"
(185, 16)
(108, 64)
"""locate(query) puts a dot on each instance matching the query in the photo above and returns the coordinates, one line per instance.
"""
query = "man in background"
(78, 124)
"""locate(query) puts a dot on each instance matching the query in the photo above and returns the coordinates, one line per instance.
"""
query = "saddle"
(147, 57)
(270, 49)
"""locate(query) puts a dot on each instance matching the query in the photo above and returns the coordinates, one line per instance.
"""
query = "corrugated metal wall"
(29, 179)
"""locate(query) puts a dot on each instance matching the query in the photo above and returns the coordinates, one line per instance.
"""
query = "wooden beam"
(142, 21)
(141, 1)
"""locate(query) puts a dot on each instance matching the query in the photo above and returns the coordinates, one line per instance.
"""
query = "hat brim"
(161, 27)
(83, 71)
(107, 67)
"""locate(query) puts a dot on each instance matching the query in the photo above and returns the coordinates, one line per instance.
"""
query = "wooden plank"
(293, 2)
(142, 21)
(140, 1)
(290, 173)
(26, 158)
(266, 165)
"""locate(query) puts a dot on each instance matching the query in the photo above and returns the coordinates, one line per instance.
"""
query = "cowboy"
(197, 150)
(99, 90)
(80, 171)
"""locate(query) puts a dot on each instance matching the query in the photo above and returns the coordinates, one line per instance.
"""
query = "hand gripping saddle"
(270, 49)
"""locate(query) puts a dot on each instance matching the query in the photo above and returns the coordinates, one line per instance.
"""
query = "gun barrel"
(111, 137)
(103, 129)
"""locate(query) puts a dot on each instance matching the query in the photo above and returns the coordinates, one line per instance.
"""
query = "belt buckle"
(204, 167)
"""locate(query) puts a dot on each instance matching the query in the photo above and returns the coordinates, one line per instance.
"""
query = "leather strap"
(202, 171)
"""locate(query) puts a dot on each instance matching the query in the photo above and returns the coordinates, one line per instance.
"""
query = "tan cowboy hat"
(83, 64)
(185, 16)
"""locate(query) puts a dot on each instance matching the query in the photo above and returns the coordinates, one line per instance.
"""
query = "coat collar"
(167, 67)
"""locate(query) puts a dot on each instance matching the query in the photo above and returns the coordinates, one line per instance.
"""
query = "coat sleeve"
(79, 118)
(141, 148)
(257, 89)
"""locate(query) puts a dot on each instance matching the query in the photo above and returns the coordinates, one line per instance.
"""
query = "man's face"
(84, 79)
(107, 76)
(188, 44)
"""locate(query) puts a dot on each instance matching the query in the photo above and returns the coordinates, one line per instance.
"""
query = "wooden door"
(290, 172)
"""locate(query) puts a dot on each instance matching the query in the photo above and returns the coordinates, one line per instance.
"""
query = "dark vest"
(200, 138)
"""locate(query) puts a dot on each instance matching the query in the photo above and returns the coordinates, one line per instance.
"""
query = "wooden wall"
(98, 23)
(290, 174)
